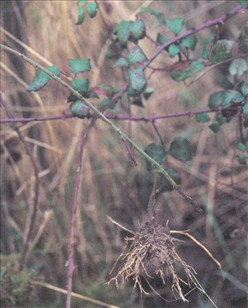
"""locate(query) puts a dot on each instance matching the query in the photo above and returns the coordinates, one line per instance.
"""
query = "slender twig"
(119, 117)
(31, 218)
(71, 264)
(218, 21)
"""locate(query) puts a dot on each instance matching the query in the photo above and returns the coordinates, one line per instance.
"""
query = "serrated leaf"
(221, 51)
(202, 118)
(238, 67)
(148, 92)
(175, 24)
(180, 149)
(81, 85)
(137, 79)
(231, 97)
(215, 127)
(185, 69)
(215, 100)
(241, 146)
(189, 42)
(245, 109)
(121, 62)
(122, 32)
(41, 78)
(79, 65)
(173, 50)
(243, 3)
(244, 89)
(91, 8)
(164, 184)
(157, 152)
(80, 18)
(136, 54)
(79, 109)
(207, 46)
(137, 29)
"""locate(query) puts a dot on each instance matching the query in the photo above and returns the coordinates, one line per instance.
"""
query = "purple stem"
(71, 264)
(110, 116)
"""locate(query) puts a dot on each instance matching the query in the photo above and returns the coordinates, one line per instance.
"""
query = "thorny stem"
(71, 264)
(125, 117)
(31, 218)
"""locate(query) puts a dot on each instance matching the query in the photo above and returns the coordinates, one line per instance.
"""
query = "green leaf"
(79, 65)
(215, 127)
(215, 100)
(238, 67)
(241, 146)
(80, 19)
(185, 69)
(122, 32)
(161, 39)
(157, 152)
(244, 89)
(121, 62)
(137, 79)
(243, 3)
(189, 42)
(103, 102)
(104, 89)
(79, 109)
(137, 29)
(180, 149)
(245, 109)
(41, 78)
(82, 1)
(175, 24)
(207, 46)
(221, 51)
(91, 9)
(131, 92)
(221, 119)
(164, 184)
(242, 158)
(202, 117)
(148, 92)
(136, 54)
(231, 97)
(173, 50)
(81, 85)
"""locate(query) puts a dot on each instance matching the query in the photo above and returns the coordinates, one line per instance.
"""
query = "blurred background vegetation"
(47, 32)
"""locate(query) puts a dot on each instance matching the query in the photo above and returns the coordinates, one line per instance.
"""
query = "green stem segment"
(96, 111)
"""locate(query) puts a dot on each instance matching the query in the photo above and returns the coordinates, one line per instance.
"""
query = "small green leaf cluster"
(91, 8)
(180, 149)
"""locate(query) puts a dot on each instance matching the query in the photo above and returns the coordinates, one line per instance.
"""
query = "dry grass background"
(46, 31)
